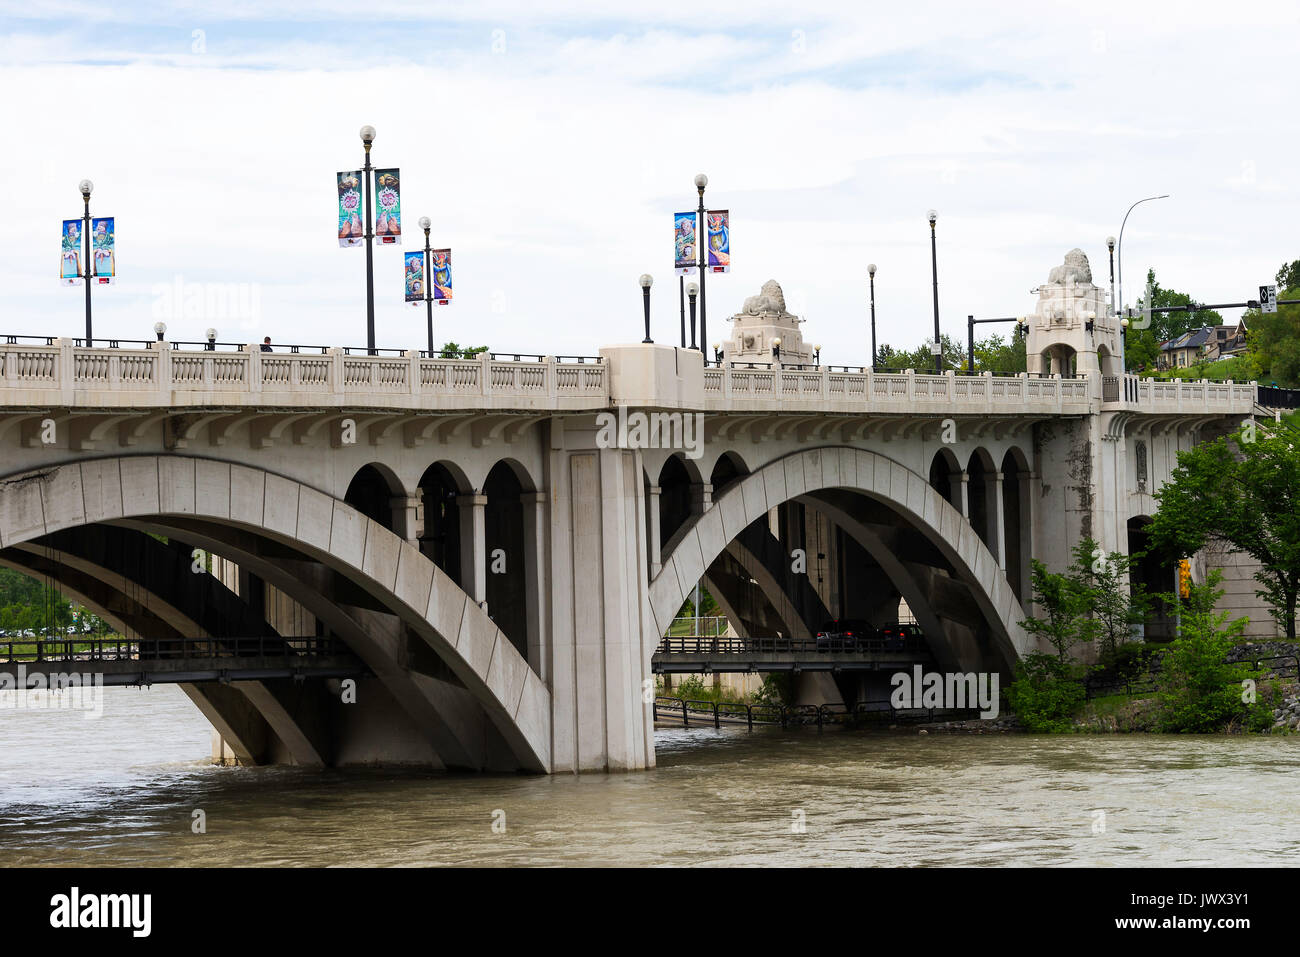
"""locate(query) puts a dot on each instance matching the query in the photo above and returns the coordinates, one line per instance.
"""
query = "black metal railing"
(723, 645)
(1274, 397)
(718, 713)
(119, 648)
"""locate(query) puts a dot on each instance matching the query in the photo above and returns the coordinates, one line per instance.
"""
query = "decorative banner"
(388, 206)
(70, 263)
(101, 248)
(719, 245)
(414, 273)
(351, 232)
(440, 275)
(687, 256)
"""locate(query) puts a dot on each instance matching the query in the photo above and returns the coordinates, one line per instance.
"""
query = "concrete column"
(998, 540)
(1026, 532)
(473, 545)
(964, 498)
(652, 510)
(408, 516)
(701, 498)
(602, 631)
(536, 588)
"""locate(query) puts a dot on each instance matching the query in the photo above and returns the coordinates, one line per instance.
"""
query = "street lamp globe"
(646, 280)
(717, 347)
(1110, 243)
(776, 341)
(159, 328)
(692, 289)
(701, 181)
(85, 186)
(211, 334)
(932, 215)
(1124, 322)
(367, 134)
(871, 270)
(425, 223)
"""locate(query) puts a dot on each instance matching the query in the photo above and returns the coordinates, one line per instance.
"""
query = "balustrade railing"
(52, 366)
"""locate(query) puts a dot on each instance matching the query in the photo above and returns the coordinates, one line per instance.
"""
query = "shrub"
(1046, 693)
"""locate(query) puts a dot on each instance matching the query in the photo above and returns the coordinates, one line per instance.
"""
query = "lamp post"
(701, 245)
(1110, 248)
(1121, 242)
(776, 350)
(212, 339)
(425, 224)
(86, 186)
(937, 348)
(871, 275)
(817, 356)
(693, 290)
(646, 281)
(717, 353)
(681, 303)
(367, 138)
(160, 329)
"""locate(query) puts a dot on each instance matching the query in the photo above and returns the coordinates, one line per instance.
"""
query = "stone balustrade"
(64, 374)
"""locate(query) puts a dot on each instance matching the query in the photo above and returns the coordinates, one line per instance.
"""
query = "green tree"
(1198, 690)
(1288, 277)
(1114, 604)
(922, 359)
(1001, 356)
(1274, 337)
(1064, 598)
(452, 350)
(1142, 345)
(1242, 491)
(1046, 693)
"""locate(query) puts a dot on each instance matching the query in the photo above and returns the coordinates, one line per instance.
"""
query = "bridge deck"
(144, 661)
(702, 655)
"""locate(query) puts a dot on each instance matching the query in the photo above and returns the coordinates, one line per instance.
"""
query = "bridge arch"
(855, 470)
(372, 490)
(329, 531)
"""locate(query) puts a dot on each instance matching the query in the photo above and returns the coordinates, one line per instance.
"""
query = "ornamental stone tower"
(1072, 329)
(764, 320)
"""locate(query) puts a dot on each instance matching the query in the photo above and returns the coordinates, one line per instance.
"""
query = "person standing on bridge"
(266, 344)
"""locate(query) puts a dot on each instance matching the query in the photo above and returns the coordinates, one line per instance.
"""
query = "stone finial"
(1075, 269)
(769, 302)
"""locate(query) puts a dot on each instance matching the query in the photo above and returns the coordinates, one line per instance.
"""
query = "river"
(122, 790)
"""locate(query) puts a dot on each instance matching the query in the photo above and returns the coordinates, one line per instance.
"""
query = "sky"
(551, 141)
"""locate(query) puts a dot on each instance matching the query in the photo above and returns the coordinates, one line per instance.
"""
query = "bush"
(1200, 692)
(1046, 694)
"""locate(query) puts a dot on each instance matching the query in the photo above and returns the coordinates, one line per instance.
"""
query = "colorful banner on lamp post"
(388, 206)
(104, 256)
(70, 259)
(440, 276)
(351, 232)
(414, 273)
(719, 244)
(686, 254)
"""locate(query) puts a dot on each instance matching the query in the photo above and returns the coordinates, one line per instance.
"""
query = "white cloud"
(551, 169)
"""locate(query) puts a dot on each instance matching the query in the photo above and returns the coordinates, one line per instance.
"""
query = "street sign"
(1268, 298)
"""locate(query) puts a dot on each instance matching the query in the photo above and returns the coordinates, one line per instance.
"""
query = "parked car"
(845, 634)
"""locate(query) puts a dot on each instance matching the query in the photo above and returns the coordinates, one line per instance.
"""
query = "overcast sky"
(551, 141)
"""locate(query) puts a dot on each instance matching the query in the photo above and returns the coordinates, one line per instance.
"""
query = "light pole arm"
(1121, 242)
